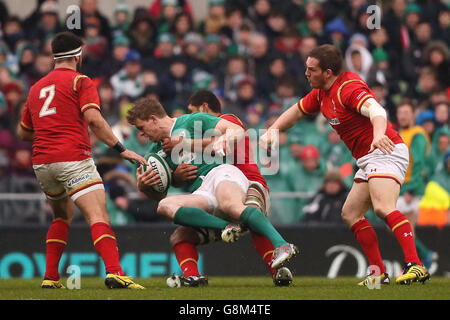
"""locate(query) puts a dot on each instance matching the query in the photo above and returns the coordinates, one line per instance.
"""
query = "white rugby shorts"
(379, 165)
(223, 172)
(72, 178)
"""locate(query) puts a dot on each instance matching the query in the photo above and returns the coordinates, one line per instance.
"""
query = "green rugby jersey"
(191, 126)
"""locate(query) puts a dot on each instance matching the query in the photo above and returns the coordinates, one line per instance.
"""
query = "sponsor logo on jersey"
(334, 121)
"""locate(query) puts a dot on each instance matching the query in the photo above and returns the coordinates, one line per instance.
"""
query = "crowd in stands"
(251, 54)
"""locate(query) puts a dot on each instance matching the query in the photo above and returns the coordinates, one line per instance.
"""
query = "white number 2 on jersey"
(48, 93)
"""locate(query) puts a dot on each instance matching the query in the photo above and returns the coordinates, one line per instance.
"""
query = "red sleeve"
(353, 94)
(26, 122)
(310, 104)
(87, 93)
(232, 118)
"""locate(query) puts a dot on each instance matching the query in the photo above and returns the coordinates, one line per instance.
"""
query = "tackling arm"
(103, 131)
(230, 133)
(288, 118)
(100, 127)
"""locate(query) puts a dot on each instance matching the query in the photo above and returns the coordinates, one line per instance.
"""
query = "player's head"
(405, 113)
(149, 117)
(67, 47)
(323, 64)
(204, 101)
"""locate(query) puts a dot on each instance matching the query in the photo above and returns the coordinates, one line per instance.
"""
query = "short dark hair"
(205, 96)
(66, 41)
(407, 102)
(144, 108)
(329, 56)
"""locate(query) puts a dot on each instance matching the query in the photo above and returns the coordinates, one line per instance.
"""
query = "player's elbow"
(24, 135)
(93, 118)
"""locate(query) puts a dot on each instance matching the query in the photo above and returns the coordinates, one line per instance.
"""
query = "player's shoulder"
(78, 79)
(347, 78)
(199, 116)
(232, 118)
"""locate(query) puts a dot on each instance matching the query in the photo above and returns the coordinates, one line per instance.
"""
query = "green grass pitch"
(231, 288)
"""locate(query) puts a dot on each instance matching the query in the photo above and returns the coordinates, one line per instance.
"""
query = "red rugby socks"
(56, 243)
(187, 257)
(106, 245)
(367, 238)
(402, 230)
(264, 248)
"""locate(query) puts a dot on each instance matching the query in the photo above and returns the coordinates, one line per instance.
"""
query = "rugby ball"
(158, 164)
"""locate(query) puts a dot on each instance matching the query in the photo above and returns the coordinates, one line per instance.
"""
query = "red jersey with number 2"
(245, 162)
(54, 111)
(341, 105)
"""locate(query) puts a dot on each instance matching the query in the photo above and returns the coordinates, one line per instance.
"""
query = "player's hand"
(184, 172)
(133, 157)
(169, 143)
(146, 179)
(268, 141)
(383, 143)
(220, 146)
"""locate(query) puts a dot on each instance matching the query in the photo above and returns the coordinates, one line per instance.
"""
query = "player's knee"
(166, 208)
(183, 234)
(348, 216)
(382, 211)
(231, 208)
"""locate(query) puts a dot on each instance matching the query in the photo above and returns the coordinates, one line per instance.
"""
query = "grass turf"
(231, 288)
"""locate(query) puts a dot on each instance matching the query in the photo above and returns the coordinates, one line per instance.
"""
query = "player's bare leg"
(355, 207)
(184, 241)
(190, 210)
(56, 241)
(231, 197)
(93, 207)
(168, 207)
(384, 194)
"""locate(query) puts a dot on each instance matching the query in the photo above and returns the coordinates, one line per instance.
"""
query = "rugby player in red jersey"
(56, 116)
(185, 239)
(382, 157)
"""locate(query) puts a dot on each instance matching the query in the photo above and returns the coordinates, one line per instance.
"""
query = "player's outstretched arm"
(103, 131)
(231, 134)
(228, 134)
(287, 120)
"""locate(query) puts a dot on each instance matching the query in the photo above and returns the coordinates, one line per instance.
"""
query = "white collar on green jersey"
(171, 129)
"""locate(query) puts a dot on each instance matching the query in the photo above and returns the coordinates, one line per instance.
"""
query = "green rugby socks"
(259, 223)
(195, 217)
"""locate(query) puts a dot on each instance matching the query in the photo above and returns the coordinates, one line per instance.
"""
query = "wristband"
(119, 147)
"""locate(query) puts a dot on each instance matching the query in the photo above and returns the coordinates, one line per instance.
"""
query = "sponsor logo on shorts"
(77, 180)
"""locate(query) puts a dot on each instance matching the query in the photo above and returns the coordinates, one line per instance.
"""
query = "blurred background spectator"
(326, 205)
